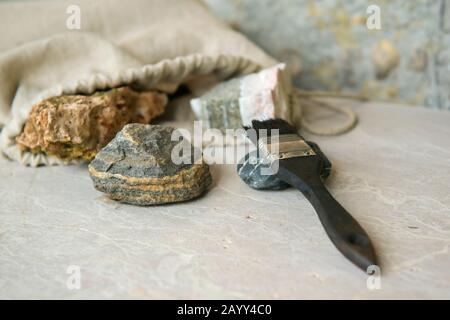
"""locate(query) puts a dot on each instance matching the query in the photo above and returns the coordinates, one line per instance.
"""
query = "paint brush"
(301, 165)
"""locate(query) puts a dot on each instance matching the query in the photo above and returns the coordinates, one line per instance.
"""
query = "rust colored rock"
(77, 126)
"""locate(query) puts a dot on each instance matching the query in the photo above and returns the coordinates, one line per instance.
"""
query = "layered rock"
(78, 126)
(137, 167)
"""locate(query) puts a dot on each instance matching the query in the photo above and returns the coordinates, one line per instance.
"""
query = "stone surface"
(136, 168)
(329, 46)
(249, 170)
(234, 103)
(77, 126)
(390, 172)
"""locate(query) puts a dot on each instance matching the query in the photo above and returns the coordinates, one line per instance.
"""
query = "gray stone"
(249, 170)
(136, 167)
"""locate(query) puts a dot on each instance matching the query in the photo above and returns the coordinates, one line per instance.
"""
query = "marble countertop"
(392, 173)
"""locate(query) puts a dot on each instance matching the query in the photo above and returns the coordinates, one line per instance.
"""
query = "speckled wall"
(330, 47)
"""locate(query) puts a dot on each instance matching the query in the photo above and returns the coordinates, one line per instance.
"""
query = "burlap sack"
(146, 43)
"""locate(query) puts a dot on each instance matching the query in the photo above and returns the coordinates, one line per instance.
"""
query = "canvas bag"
(150, 44)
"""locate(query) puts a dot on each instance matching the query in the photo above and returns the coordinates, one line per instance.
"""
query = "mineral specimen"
(249, 170)
(136, 167)
(77, 126)
(236, 102)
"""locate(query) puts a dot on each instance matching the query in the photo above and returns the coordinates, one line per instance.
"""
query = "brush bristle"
(282, 125)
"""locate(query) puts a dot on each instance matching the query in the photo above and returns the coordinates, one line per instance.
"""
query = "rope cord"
(308, 98)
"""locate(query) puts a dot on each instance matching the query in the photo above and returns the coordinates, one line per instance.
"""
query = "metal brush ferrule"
(283, 147)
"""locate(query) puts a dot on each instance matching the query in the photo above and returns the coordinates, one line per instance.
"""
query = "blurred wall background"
(329, 46)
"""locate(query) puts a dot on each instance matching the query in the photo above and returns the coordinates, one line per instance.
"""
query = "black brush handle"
(343, 230)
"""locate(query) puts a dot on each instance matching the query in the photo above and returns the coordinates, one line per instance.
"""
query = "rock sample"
(77, 126)
(249, 170)
(258, 96)
(136, 167)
